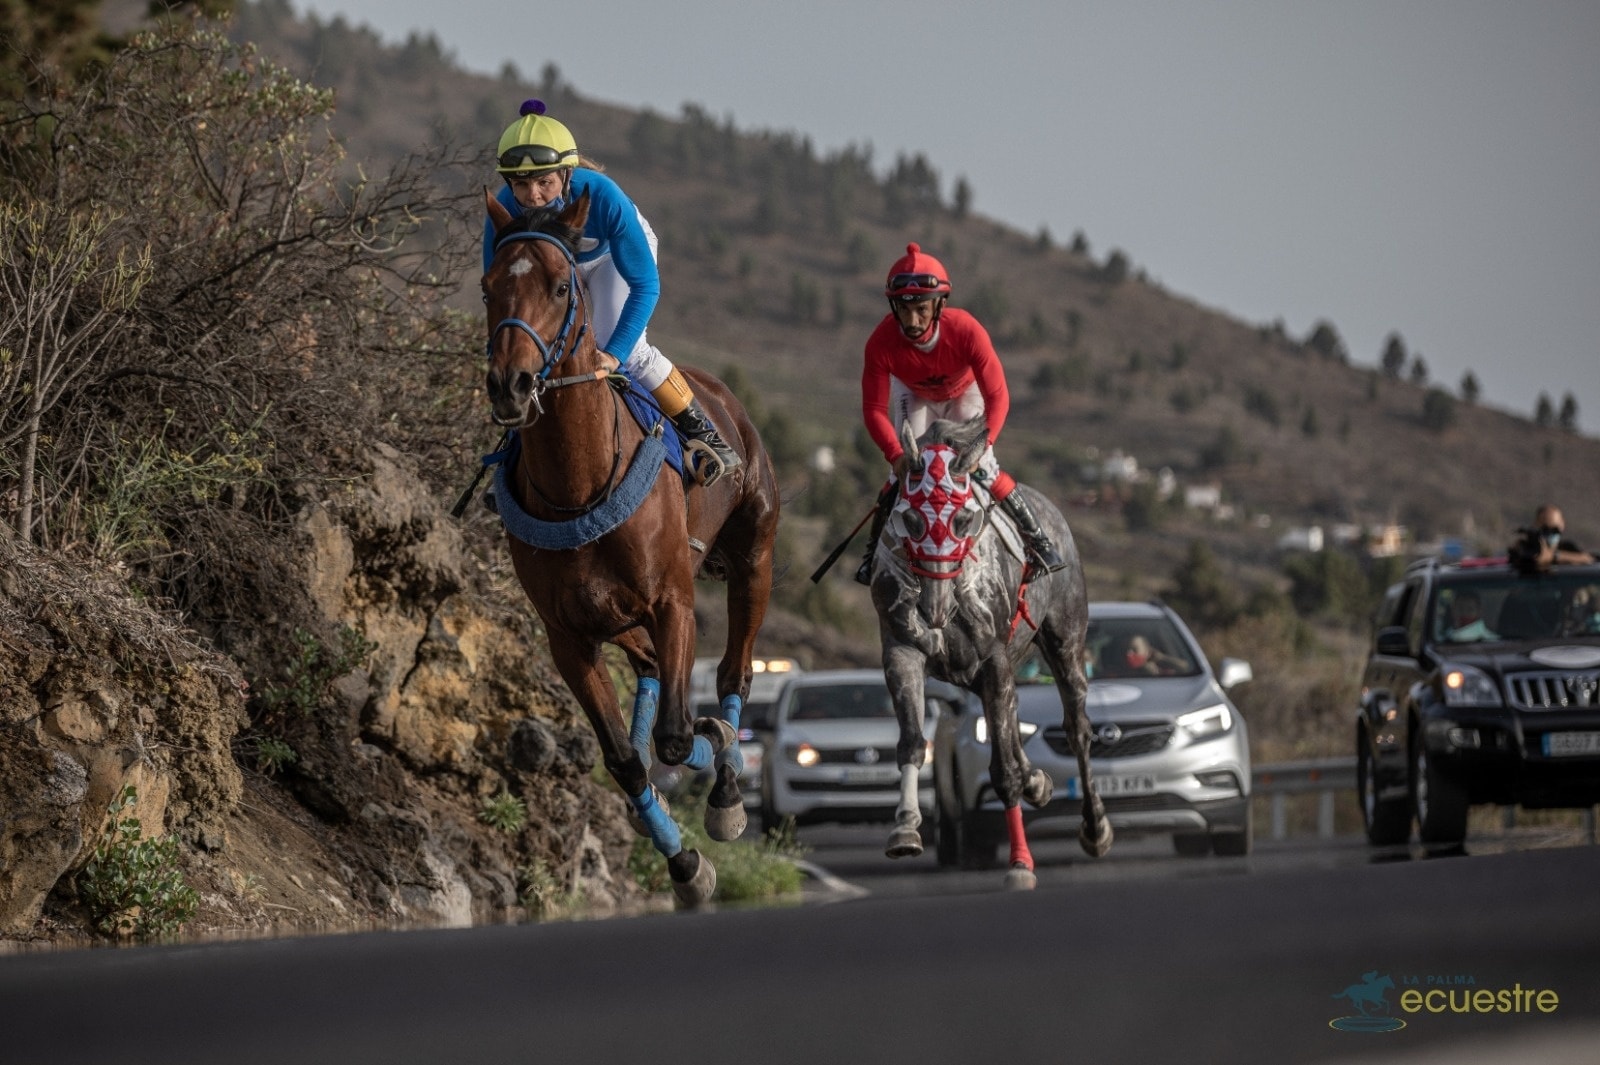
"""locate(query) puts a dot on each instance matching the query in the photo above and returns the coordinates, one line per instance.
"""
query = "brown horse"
(613, 539)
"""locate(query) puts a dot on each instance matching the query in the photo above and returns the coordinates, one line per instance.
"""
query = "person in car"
(1583, 613)
(1466, 620)
(1544, 545)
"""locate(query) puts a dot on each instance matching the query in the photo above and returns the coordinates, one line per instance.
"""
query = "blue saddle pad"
(645, 411)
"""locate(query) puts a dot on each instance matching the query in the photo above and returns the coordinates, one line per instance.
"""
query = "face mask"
(1135, 659)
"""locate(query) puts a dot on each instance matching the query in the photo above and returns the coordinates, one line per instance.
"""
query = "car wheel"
(1440, 803)
(1191, 844)
(944, 842)
(1387, 821)
(770, 821)
(974, 847)
(1235, 843)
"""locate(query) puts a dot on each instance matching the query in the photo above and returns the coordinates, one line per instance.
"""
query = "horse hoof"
(1020, 878)
(904, 843)
(637, 822)
(718, 731)
(727, 824)
(698, 889)
(1038, 789)
(1099, 845)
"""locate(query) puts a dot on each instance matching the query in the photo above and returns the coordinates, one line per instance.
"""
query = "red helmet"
(916, 275)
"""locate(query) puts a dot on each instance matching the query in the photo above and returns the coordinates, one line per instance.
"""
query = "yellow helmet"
(535, 143)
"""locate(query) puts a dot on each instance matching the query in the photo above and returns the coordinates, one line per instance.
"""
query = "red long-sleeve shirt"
(963, 353)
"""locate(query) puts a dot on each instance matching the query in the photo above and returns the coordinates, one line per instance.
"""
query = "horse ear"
(908, 441)
(577, 213)
(497, 210)
(976, 430)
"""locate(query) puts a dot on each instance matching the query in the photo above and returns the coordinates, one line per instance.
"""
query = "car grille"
(1554, 691)
(1138, 737)
(850, 756)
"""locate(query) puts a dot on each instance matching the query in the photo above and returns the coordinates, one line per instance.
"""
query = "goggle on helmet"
(535, 144)
(916, 276)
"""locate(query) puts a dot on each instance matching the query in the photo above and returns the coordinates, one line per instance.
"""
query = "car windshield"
(833, 702)
(1124, 648)
(1505, 607)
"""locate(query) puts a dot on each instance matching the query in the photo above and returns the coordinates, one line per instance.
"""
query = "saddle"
(1004, 527)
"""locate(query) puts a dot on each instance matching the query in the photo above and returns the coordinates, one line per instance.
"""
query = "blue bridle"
(559, 345)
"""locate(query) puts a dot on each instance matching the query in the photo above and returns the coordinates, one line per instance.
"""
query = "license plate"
(1560, 744)
(1115, 784)
(851, 774)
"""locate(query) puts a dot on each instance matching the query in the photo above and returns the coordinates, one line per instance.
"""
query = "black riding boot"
(718, 457)
(1042, 554)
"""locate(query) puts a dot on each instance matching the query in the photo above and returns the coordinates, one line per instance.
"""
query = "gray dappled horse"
(952, 604)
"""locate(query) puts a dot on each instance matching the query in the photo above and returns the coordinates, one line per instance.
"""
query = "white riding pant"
(906, 406)
(607, 293)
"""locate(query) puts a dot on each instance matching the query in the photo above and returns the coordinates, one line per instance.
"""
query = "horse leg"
(1008, 766)
(1065, 657)
(697, 743)
(904, 668)
(749, 589)
(581, 666)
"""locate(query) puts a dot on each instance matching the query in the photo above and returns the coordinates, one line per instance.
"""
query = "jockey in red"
(925, 362)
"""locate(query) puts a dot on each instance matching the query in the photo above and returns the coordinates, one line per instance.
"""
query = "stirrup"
(707, 463)
(1039, 563)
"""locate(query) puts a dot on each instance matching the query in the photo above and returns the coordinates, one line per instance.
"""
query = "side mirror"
(1393, 641)
(1233, 672)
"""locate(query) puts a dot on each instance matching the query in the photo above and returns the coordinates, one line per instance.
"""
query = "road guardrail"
(1324, 777)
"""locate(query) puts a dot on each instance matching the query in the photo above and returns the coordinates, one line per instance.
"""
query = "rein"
(552, 353)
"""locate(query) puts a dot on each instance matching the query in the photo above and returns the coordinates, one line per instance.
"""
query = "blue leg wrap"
(700, 755)
(644, 716)
(732, 705)
(663, 829)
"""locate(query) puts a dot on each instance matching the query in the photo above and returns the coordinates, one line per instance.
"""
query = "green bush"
(314, 668)
(504, 812)
(135, 885)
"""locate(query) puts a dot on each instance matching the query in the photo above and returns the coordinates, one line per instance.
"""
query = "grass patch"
(747, 870)
(135, 885)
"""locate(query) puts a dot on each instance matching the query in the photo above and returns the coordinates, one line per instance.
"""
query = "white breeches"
(607, 293)
(904, 406)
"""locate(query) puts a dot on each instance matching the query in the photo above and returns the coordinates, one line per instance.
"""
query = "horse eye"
(562, 290)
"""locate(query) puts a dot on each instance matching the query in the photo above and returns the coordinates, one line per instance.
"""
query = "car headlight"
(1212, 721)
(1467, 686)
(980, 729)
(805, 755)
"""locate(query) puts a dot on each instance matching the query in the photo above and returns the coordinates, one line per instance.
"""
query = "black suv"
(1483, 686)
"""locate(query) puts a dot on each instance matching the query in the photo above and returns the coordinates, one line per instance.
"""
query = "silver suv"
(1169, 752)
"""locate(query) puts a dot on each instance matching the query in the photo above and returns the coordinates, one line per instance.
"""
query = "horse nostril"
(522, 386)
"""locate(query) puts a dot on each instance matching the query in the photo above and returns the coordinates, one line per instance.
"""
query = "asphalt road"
(1244, 967)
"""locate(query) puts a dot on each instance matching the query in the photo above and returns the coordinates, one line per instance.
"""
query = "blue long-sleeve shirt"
(614, 230)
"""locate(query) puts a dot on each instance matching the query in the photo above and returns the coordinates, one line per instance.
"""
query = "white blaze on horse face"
(937, 495)
(520, 267)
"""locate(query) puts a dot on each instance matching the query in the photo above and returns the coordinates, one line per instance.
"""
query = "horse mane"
(545, 220)
(959, 435)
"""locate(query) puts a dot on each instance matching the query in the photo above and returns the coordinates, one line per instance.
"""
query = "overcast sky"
(1426, 167)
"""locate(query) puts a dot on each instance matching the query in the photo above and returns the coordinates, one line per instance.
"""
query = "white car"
(831, 754)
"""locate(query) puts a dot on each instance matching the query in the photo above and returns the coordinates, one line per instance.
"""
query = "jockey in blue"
(538, 157)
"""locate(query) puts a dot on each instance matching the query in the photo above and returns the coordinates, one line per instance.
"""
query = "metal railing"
(1325, 777)
(1321, 776)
